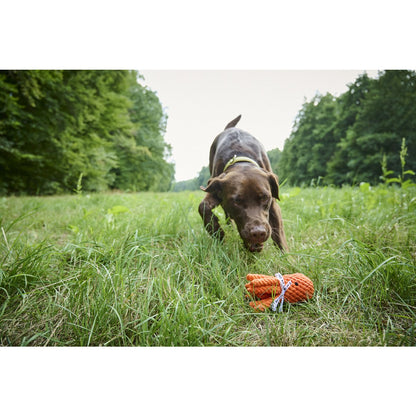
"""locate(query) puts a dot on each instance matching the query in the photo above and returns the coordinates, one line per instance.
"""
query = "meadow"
(119, 269)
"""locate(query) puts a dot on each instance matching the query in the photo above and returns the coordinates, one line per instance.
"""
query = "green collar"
(236, 159)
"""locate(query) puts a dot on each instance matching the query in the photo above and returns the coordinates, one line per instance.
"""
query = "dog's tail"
(233, 123)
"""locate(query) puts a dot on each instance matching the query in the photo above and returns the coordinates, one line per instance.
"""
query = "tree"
(345, 139)
(143, 163)
(27, 128)
(57, 125)
(339, 167)
(384, 115)
(274, 157)
(311, 143)
(203, 177)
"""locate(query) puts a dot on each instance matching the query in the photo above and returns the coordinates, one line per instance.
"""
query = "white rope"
(281, 297)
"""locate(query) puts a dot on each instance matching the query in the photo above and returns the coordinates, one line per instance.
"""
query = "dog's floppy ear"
(214, 185)
(274, 185)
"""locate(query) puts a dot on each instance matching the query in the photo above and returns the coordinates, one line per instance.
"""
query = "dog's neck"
(235, 159)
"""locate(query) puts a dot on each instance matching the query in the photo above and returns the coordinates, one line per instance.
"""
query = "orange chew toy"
(272, 290)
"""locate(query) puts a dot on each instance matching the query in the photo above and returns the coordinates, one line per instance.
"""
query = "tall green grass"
(139, 269)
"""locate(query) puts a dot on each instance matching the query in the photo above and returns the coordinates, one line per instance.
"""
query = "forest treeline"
(95, 130)
(99, 130)
(345, 139)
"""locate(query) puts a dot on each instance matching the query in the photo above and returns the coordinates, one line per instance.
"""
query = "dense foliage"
(93, 129)
(344, 140)
(274, 157)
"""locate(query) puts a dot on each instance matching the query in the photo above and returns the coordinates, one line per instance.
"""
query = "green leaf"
(117, 209)
(390, 180)
(73, 228)
(364, 186)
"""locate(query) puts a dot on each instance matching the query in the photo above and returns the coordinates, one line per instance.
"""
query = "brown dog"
(243, 183)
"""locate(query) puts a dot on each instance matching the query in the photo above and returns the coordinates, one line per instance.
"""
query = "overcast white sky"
(199, 103)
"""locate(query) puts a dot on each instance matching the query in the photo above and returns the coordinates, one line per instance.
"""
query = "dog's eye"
(265, 200)
(238, 201)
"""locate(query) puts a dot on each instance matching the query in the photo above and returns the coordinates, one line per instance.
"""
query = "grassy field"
(139, 269)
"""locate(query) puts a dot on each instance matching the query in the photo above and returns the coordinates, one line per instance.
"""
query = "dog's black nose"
(258, 233)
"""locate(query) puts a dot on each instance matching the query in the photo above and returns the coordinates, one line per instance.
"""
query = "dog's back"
(235, 142)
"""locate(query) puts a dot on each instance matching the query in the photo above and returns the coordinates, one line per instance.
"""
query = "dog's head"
(246, 194)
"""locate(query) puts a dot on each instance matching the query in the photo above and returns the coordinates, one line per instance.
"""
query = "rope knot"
(281, 297)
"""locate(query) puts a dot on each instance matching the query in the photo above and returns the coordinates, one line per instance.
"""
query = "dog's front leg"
(211, 222)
